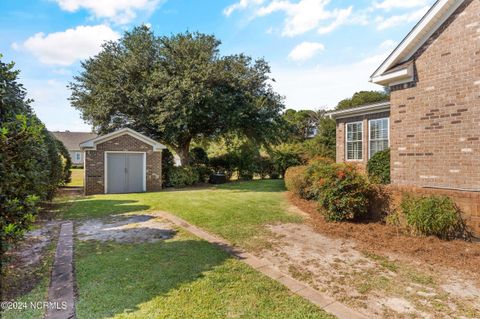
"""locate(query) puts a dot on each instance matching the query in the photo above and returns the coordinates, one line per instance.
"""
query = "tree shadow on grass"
(116, 278)
(97, 208)
(264, 186)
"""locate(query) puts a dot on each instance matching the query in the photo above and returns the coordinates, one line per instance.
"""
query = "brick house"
(124, 161)
(432, 122)
(72, 141)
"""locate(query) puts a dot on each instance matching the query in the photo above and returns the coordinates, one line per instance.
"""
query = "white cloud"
(325, 85)
(388, 44)
(393, 21)
(118, 11)
(305, 15)
(65, 48)
(240, 5)
(305, 51)
(301, 16)
(394, 4)
(342, 16)
(51, 105)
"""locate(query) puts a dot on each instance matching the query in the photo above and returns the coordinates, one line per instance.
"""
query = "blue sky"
(320, 51)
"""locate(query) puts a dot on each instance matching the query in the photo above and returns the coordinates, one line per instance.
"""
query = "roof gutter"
(362, 110)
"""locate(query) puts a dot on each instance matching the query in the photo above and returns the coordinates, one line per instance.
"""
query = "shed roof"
(92, 144)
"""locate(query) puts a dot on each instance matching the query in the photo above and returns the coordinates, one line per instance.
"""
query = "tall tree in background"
(301, 124)
(176, 89)
(362, 98)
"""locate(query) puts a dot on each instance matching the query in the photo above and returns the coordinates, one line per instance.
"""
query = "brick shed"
(124, 161)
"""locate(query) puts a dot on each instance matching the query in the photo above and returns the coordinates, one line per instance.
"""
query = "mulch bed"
(376, 237)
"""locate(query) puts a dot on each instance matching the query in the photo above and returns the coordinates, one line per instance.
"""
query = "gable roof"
(360, 110)
(395, 70)
(92, 144)
(72, 140)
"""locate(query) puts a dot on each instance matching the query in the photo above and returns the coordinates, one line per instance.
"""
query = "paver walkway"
(61, 298)
(267, 268)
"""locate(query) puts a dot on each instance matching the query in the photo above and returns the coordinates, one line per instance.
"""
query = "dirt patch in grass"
(126, 229)
(30, 260)
(376, 285)
(380, 238)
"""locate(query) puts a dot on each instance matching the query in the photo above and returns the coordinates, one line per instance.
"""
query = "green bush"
(266, 168)
(183, 176)
(203, 172)
(296, 180)
(435, 215)
(224, 164)
(378, 167)
(341, 191)
(285, 158)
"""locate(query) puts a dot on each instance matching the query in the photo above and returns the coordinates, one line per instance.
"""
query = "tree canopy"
(362, 98)
(176, 89)
(302, 124)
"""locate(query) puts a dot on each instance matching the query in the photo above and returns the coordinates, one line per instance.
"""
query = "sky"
(320, 51)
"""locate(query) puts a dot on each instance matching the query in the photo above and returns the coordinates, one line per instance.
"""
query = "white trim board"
(92, 144)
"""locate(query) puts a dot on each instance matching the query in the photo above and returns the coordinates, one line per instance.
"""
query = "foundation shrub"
(378, 167)
(433, 215)
(342, 192)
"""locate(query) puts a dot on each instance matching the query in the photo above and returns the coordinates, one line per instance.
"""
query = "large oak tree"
(176, 89)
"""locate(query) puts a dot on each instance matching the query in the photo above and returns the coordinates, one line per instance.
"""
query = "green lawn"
(235, 211)
(77, 177)
(183, 277)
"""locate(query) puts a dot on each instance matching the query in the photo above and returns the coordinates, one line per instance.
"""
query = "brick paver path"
(267, 268)
(61, 296)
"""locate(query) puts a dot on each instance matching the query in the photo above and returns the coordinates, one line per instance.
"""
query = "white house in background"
(72, 141)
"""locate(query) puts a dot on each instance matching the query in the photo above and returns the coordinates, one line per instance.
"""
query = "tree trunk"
(183, 153)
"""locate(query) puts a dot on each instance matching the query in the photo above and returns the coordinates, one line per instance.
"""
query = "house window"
(78, 157)
(378, 132)
(354, 141)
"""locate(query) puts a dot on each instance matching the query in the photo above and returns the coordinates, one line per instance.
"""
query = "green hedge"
(31, 166)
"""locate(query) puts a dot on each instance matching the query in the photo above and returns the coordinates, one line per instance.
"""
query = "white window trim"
(105, 168)
(346, 141)
(369, 127)
(78, 157)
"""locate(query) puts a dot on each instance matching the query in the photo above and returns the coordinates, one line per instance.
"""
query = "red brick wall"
(341, 125)
(95, 163)
(435, 122)
(467, 202)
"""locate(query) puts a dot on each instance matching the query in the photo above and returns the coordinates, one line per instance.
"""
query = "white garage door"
(125, 172)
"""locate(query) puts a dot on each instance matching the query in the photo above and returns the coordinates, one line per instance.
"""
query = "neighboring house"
(72, 141)
(432, 123)
(124, 161)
